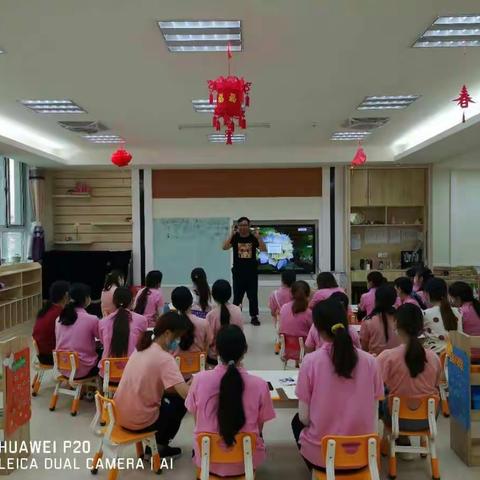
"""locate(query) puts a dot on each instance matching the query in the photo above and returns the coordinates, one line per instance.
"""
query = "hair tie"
(337, 326)
(231, 363)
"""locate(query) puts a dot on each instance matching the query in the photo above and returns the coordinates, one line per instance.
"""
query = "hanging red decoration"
(231, 96)
(121, 158)
(360, 157)
(463, 100)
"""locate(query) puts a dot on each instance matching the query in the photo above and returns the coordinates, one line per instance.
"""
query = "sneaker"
(166, 451)
(255, 321)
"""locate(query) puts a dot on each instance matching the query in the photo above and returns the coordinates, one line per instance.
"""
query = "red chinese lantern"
(463, 100)
(121, 158)
(232, 96)
(360, 157)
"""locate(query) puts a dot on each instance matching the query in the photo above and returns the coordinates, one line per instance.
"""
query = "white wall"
(455, 215)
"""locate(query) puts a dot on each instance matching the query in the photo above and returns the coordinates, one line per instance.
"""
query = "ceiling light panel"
(451, 31)
(349, 136)
(105, 138)
(53, 106)
(221, 138)
(387, 102)
(203, 106)
(202, 35)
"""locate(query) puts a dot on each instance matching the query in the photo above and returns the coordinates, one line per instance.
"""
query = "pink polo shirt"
(213, 319)
(202, 402)
(278, 299)
(396, 375)
(337, 405)
(315, 341)
(367, 301)
(372, 335)
(80, 338)
(399, 302)
(471, 321)
(323, 294)
(138, 324)
(146, 377)
(295, 324)
(106, 301)
(154, 305)
(202, 336)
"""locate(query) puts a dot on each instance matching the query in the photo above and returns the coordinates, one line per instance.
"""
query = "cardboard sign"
(459, 387)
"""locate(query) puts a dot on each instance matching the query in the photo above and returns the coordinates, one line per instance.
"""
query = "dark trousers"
(246, 283)
(172, 411)
(45, 358)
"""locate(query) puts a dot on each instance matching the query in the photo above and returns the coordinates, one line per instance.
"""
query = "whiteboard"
(181, 244)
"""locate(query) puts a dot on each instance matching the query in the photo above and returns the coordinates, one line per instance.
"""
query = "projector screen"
(289, 247)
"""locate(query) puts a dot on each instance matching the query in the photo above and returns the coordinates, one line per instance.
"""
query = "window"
(12, 209)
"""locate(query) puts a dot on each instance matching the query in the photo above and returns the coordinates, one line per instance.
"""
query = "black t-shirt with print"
(244, 253)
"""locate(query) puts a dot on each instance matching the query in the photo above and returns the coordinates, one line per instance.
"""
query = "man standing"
(245, 275)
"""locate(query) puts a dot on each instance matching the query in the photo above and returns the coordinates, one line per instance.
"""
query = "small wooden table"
(283, 383)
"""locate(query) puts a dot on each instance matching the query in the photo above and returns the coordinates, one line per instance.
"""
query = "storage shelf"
(71, 195)
(33, 282)
(397, 225)
(74, 242)
(8, 302)
(6, 289)
(111, 224)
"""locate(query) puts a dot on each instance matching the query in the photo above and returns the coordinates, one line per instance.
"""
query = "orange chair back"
(292, 347)
(117, 366)
(63, 359)
(101, 404)
(191, 362)
(351, 452)
(413, 408)
(220, 453)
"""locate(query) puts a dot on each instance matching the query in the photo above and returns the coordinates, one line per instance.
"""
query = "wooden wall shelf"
(73, 195)
(73, 242)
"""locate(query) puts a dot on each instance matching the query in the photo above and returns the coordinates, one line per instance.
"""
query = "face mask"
(173, 345)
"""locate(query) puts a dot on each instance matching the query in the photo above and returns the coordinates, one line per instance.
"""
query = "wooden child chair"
(291, 348)
(113, 368)
(68, 361)
(213, 450)
(191, 362)
(40, 369)
(114, 438)
(277, 345)
(360, 453)
(416, 409)
(443, 385)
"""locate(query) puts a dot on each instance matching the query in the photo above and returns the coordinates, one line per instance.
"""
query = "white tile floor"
(283, 460)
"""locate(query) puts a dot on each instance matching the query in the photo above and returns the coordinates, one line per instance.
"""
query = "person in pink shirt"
(326, 284)
(113, 280)
(405, 293)
(225, 313)
(198, 336)
(149, 300)
(119, 331)
(328, 381)
(422, 276)
(377, 332)
(410, 370)
(367, 300)
(201, 293)
(228, 400)
(76, 330)
(295, 316)
(462, 296)
(151, 392)
(278, 298)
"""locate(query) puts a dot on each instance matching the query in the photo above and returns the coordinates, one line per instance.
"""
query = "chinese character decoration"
(232, 96)
(121, 157)
(360, 157)
(463, 100)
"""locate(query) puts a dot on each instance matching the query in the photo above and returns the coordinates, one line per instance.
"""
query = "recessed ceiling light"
(451, 31)
(203, 106)
(2, 51)
(202, 35)
(349, 135)
(104, 138)
(53, 106)
(221, 138)
(387, 102)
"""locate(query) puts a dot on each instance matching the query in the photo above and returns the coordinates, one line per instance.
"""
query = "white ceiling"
(309, 61)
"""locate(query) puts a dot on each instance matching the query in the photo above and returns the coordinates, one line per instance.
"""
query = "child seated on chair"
(76, 330)
(409, 370)
(44, 328)
(295, 316)
(326, 286)
(149, 300)
(151, 392)
(228, 400)
(225, 313)
(278, 298)
(202, 297)
(329, 379)
(113, 280)
(119, 332)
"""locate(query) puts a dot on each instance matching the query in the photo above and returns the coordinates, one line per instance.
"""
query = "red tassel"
(229, 138)
(243, 123)
(210, 98)
(217, 126)
(247, 100)
(463, 117)
(214, 122)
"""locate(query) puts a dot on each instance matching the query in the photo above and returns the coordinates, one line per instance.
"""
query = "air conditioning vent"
(366, 123)
(84, 127)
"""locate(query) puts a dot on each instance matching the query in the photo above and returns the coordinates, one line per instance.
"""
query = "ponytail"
(301, 294)
(385, 297)
(79, 294)
(182, 301)
(464, 292)
(410, 321)
(221, 292)
(153, 280)
(113, 278)
(199, 279)
(385, 325)
(141, 302)
(330, 318)
(419, 300)
(231, 346)
(186, 341)
(122, 298)
(224, 315)
(437, 291)
(449, 319)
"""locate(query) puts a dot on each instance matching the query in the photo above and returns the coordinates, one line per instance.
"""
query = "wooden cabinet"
(402, 187)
